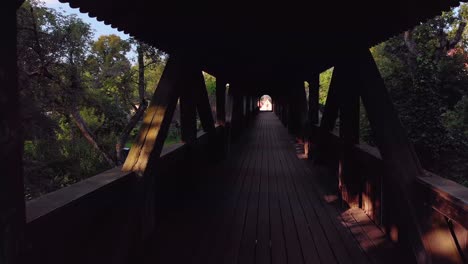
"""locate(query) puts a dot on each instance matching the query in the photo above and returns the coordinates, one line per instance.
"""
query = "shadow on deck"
(263, 205)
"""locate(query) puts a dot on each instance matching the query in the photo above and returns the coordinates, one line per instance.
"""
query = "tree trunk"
(139, 112)
(81, 124)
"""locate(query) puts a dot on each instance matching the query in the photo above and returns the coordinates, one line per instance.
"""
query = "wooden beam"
(188, 111)
(400, 160)
(314, 86)
(313, 115)
(12, 207)
(220, 101)
(330, 113)
(327, 124)
(157, 118)
(349, 176)
(203, 102)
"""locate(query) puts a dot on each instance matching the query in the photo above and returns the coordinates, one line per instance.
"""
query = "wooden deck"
(263, 205)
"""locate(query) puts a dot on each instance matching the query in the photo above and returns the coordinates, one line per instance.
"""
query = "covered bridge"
(238, 193)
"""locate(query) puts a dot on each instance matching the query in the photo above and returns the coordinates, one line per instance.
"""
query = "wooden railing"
(100, 219)
(442, 205)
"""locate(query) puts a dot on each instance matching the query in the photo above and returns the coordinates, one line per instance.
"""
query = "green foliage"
(325, 79)
(210, 82)
(64, 74)
(427, 77)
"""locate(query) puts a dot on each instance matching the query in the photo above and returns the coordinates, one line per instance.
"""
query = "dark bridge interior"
(240, 192)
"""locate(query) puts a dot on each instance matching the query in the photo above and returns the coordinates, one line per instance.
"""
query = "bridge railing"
(442, 204)
(101, 219)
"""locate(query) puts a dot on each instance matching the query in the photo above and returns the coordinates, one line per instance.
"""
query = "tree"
(425, 71)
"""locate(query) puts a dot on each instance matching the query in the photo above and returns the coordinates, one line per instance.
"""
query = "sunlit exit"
(265, 103)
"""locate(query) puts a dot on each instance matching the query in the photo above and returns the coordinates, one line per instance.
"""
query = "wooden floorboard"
(262, 205)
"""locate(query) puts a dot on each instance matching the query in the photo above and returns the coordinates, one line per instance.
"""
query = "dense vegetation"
(426, 72)
(82, 98)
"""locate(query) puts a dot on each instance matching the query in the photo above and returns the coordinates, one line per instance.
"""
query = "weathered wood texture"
(157, 119)
(12, 212)
(262, 206)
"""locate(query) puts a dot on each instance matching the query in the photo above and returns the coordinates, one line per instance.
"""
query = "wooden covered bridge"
(243, 191)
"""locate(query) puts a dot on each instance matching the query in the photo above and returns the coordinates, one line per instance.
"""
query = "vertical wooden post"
(203, 102)
(349, 177)
(314, 85)
(313, 114)
(220, 101)
(237, 110)
(12, 208)
(330, 113)
(298, 107)
(400, 160)
(188, 111)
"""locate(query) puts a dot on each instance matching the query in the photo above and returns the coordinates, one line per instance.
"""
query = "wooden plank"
(236, 231)
(324, 248)
(157, 118)
(278, 243)
(249, 235)
(293, 248)
(228, 180)
(12, 208)
(339, 237)
(307, 244)
(237, 168)
(381, 249)
(262, 251)
(234, 210)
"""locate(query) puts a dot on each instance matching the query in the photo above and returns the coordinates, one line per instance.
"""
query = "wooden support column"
(314, 86)
(203, 102)
(157, 118)
(236, 118)
(349, 176)
(12, 207)
(330, 114)
(401, 163)
(313, 114)
(220, 101)
(188, 111)
(297, 108)
(229, 116)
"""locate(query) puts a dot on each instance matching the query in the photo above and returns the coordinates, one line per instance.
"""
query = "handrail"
(437, 198)
(67, 196)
